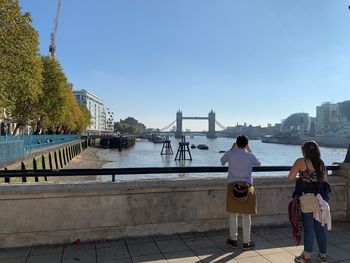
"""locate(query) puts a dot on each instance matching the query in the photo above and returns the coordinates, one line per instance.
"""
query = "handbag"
(240, 191)
(309, 203)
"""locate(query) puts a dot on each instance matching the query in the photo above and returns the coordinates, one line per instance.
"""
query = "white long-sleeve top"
(324, 215)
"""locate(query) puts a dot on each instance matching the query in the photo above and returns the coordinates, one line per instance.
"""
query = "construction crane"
(52, 48)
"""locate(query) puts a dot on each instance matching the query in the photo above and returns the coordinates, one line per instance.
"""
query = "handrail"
(138, 170)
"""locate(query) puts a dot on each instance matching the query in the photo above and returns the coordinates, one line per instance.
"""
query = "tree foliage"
(20, 64)
(34, 90)
(58, 110)
(125, 128)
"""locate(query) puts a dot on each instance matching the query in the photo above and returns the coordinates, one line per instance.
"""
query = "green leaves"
(34, 90)
(20, 65)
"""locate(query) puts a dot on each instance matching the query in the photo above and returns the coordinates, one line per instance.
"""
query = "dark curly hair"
(311, 152)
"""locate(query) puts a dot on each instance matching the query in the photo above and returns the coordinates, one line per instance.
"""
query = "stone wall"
(59, 213)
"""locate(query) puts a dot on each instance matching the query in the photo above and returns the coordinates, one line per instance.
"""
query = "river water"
(147, 154)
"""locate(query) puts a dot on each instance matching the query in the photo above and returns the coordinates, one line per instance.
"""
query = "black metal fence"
(113, 172)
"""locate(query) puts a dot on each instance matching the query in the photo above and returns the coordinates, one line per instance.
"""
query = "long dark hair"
(312, 152)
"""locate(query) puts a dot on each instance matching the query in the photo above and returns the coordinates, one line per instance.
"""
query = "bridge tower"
(178, 132)
(211, 125)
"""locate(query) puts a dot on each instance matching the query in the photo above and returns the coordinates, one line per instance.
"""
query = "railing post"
(56, 161)
(67, 155)
(113, 178)
(43, 165)
(60, 157)
(35, 168)
(7, 179)
(23, 167)
(64, 156)
(70, 152)
(50, 161)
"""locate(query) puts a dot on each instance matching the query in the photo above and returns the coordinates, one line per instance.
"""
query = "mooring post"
(181, 151)
(166, 149)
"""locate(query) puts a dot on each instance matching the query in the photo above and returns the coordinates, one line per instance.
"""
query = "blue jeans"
(312, 227)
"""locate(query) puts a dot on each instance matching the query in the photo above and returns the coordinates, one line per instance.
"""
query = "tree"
(20, 64)
(52, 106)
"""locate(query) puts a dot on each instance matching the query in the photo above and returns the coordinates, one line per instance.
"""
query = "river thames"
(147, 154)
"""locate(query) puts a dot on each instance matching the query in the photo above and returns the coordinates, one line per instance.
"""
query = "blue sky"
(250, 61)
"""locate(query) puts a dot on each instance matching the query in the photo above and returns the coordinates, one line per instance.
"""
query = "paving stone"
(143, 249)
(258, 259)
(199, 242)
(122, 260)
(14, 252)
(280, 257)
(83, 253)
(165, 237)
(192, 235)
(45, 258)
(13, 260)
(266, 247)
(296, 251)
(338, 253)
(270, 234)
(285, 243)
(110, 243)
(222, 232)
(337, 239)
(79, 260)
(214, 255)
(182, 257)
(168, 246)
(223, 258)
(43, 250)
(159, 258)
(138, 240)
(71, 249)
(111, 253)
(240, 254)
(287, 231)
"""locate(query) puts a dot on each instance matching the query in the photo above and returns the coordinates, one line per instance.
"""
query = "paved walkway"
(272, 245)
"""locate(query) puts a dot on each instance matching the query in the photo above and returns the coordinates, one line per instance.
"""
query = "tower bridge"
(211, 123)
(211, 133)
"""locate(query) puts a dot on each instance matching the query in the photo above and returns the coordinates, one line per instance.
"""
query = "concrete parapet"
(60, 213)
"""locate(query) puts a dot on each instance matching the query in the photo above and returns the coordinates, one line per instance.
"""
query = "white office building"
(109, 120)
(100, 115)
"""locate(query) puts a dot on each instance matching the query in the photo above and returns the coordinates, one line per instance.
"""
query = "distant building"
(109, 120)
(99, 116)
(326, 117)
(297, 122)
(343, 110)
(133, 122)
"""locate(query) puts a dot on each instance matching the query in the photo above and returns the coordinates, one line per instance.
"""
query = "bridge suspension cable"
(167, 127)
(220, 125)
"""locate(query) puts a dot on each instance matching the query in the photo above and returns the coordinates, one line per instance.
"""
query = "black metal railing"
(7, 174)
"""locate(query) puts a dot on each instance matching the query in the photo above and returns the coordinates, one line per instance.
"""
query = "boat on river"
(202, 147)
(193, 146)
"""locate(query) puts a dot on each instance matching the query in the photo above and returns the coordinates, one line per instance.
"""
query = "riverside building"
(333, 117)
(101, 116)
